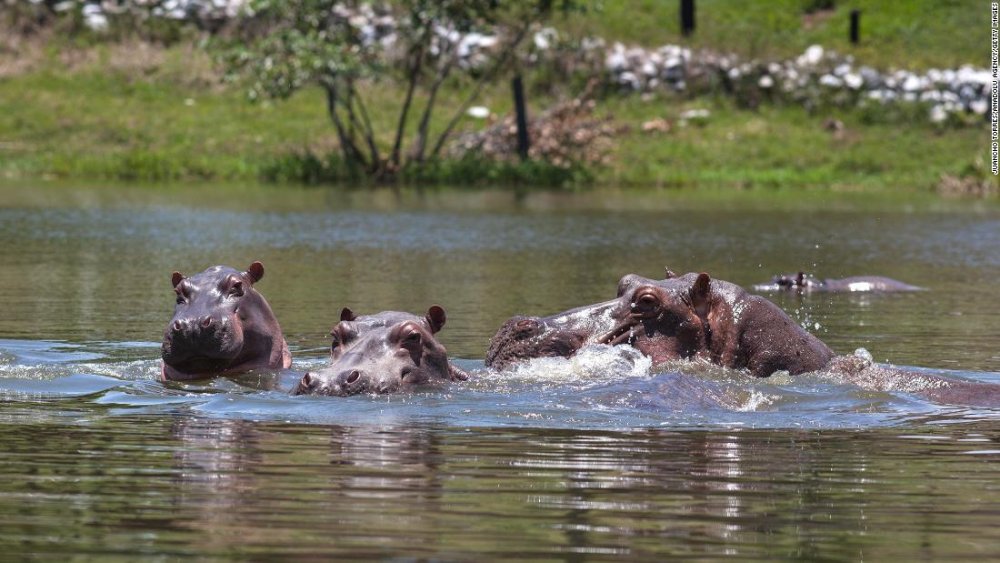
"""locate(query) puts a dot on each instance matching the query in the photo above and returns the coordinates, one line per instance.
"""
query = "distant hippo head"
(793, 281)
(382, 353)
(803, 282)
(221, 325)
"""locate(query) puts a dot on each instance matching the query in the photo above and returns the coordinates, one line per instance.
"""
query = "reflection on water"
(599, 455)
(212, 487)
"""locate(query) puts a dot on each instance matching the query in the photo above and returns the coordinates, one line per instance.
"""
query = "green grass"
(101, 125)
(912, 34)
(160, 124)
(778, 146)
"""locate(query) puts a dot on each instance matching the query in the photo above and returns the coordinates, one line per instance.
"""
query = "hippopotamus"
(382, 353)
(221, 326)
(806, 282)
(681, 317)
(560, 335)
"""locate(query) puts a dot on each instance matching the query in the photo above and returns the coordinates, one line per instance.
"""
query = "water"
(598, 456)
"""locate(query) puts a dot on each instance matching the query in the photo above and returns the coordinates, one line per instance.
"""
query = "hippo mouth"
(553, 343)
(180, 350)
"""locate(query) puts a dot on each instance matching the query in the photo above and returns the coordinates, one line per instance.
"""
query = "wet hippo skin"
(681, 317)
(694, 316)
(221, 326)
(383, 353)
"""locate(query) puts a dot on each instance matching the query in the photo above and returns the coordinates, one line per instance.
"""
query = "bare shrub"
(566, 134)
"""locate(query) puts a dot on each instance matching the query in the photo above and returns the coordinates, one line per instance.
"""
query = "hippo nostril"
(178, 325)
(307, 380)
(353, 376)
(206, 322)
(405, 373)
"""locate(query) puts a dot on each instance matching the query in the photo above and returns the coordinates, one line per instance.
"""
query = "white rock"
(938, 114)
(830, 81)
(931, 96)
(812, 55)
(478, 112)
(765, 82)
(696, 114)
(615, 61)
(912, 83)
(853, 80)
(94, 18)
(545, 38)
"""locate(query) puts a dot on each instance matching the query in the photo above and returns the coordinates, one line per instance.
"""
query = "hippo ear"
(668, 273)
(176, 278)
(255, 272)
(346, 314)
(435, 318)
(700, 293)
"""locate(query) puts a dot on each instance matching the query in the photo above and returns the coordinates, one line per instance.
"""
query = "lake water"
(599, 456)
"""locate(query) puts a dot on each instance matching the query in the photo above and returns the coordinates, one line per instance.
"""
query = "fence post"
(855, 26)
(687, 17)
(523, 142)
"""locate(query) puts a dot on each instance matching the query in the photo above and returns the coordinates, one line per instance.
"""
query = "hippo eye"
(646, 303)
(236, 290)
(180, 299)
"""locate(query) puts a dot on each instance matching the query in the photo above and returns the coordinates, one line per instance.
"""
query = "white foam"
(596, 363)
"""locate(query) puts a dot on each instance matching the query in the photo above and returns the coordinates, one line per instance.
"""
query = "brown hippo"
(804, 282)
(693, 316)
(382, 353)
(221, 326)
(681, 317)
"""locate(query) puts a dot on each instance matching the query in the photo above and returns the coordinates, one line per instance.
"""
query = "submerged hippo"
(681, 317)
(382, 353)
(806, 282)
(221, 326)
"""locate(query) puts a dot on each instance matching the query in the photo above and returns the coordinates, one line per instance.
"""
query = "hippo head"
(664, 320)
(207, 331)
(382, 353)
(800, 280)
(523, 338)
(562, 334)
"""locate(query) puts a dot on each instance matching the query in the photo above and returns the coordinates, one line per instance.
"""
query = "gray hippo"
(221, 326)
(382, 353)
(681, 317)
(805, 283)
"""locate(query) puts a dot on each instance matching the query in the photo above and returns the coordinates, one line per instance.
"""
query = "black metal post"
(523, 142)
(687, 17)
(855, 26)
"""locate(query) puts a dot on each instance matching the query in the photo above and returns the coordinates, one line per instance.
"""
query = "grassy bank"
(95, 124)
(129, 111)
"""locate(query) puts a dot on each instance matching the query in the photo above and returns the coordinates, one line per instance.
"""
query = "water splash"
(596, 364)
